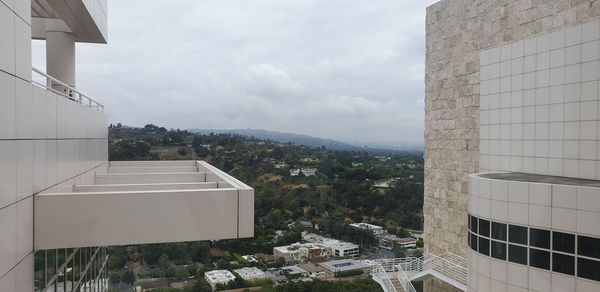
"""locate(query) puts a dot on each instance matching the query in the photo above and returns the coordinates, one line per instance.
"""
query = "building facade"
(512, 86)
(56, 184)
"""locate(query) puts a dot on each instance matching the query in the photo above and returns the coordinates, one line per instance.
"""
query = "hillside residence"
(294, 172)
(338, 248)
(251, 273)
(301, 252)
(314, 270)
(377, 230)
(217, 277)
(294, 271)
(309, 171)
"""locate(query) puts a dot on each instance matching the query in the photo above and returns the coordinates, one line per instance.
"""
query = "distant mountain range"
(300, 139)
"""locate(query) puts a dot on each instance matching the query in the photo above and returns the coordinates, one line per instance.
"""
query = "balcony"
(138, 202)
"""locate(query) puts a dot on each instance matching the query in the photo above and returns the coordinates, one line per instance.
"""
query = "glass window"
(539, 258)
(588, 246)
(473, 242)
(539, 238)
(474, 224)
(563, 264)
(498, 231)
(563, 242)
(484, 246)
(517, 234)
(517, 254)
(484, 227)
(499, 250)
(588, 269)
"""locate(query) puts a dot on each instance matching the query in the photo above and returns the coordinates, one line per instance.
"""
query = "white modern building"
(337, 248)
(251, 274)
(61, 201)
(341, 248)
(218, 277)
(377, 230)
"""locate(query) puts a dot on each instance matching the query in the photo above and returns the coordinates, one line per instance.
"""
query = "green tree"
(128, 277)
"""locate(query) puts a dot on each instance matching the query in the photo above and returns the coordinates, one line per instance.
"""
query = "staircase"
(447, 267)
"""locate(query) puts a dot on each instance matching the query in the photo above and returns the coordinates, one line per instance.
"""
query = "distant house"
(309, 171)
(301, 252)
(217, 277)
(338, 248)
(377, 230)
(382, 185)
(313, 270)
(333, 268)
(251, 273)
(294, 172)
(280, 165)
(308, 160)
(295, 271)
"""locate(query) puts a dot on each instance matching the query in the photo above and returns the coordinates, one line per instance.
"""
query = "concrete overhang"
(86, 19)
(143, 202)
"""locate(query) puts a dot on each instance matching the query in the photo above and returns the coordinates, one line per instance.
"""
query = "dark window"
(539, 238)
(563, 264)
(517, 234)
(474, 224)
(498, 231)
(499, 250)
(517, 254)
(539, 258)
(484, 227)
(473, 242)
(588, 246)
(484, 246)
(563, 242)
(588, 269)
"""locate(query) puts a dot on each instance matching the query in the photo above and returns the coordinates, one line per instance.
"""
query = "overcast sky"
(350, 70)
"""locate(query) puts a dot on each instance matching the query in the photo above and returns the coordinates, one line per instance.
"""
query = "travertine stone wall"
(457, 30)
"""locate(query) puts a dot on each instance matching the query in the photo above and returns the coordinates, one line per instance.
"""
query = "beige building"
(512, 86)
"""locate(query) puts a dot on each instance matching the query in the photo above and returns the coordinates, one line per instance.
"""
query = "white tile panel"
(540, 216)
(24, 230)
(539, 280)
(24, 113)
(8, 240)
(25, 156)
(22, 48)
(8, 167)
(7, 37)
(564, 219)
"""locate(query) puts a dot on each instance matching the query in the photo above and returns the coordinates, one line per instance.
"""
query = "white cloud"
(350, 70)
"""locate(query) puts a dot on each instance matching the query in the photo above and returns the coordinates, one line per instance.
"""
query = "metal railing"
(380, 275)
(447, 266)
(67, 91)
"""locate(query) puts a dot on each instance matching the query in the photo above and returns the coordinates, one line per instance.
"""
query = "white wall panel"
(8, 171)
(8, 240)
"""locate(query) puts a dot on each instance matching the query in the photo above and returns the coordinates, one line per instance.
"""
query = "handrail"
(447, 265)
(380, 275)
(405, 280)
(69, 92)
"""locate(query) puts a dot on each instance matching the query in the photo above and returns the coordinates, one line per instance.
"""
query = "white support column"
(60, 57)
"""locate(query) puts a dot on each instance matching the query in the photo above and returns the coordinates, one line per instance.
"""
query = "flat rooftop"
(539, 178)
(343, 265)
